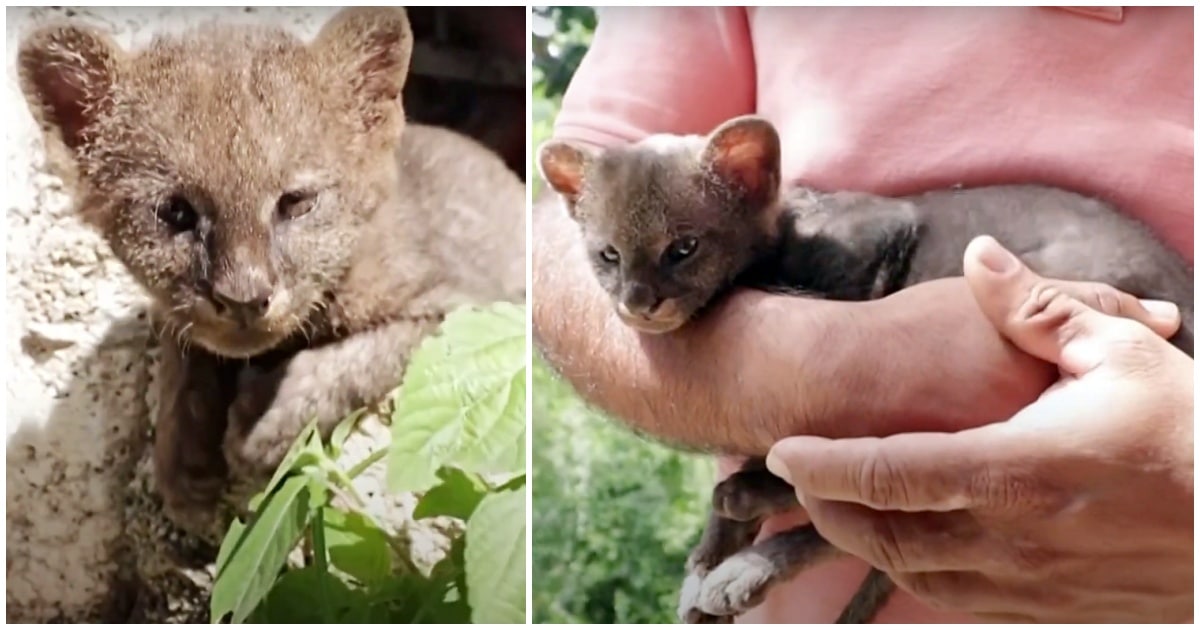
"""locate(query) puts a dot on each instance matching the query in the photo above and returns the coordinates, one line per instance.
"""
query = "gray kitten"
(297, 237)
(671, 222)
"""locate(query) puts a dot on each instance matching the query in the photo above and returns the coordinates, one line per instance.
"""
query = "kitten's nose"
(640, 300)
(245, 302)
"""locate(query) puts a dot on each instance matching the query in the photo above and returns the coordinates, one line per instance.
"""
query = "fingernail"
(1160, 308)
(995, 257)
(778, 468)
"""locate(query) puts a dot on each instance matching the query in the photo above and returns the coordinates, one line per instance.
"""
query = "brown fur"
(328, 236)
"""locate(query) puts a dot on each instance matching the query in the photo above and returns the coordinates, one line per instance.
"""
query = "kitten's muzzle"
(244, 303)
(663, 317)
(639, 300)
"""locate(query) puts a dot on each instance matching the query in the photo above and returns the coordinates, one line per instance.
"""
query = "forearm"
(932, 362)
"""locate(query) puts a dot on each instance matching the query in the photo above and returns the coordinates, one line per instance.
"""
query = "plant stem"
(318, 540)
(362, 466)
(344, 486)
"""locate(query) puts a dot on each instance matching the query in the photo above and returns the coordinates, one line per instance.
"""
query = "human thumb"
(1072, 324)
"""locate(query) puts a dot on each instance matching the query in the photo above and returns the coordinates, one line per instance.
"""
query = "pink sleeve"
(660, 70)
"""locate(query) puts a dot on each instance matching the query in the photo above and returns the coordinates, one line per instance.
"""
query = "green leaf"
(254, 564)
(516, 483)
(231, 541)
(295, 597)
(400, 597)
(451, 607)
(449, 576)
(342, 432)
(462, 402)
(357, 546)
(298, 455)
(450, 570)
(456, 496)
(365, 613)
(495, 559)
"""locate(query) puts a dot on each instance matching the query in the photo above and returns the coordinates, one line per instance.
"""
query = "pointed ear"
(562, 165)
(742, 157)
(67, 73)
(371, 47)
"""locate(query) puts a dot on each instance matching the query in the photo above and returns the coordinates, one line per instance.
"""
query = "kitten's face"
(671, 221)
(660, 246)
(230, 170)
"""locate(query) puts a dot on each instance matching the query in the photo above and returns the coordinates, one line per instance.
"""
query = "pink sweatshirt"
(899, 100)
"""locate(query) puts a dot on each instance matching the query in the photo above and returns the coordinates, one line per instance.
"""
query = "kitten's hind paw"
(736, 585)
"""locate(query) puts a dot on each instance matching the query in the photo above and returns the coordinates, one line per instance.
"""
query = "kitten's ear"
(370, 47)
(67, 73)
(562, 165)
(742, 156)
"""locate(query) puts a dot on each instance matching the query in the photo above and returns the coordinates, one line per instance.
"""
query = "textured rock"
(85, 539)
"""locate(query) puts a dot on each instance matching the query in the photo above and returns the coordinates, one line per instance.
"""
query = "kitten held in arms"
(296, 237)
(672, 222)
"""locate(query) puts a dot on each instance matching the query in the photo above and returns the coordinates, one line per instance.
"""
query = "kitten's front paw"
(736, 585)
(269, 412)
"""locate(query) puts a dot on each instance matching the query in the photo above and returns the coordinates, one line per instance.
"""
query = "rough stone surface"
(85, 539)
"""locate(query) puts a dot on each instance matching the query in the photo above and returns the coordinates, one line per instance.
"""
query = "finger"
(902, 541)
(987, 262)
(908, 472)
(1059, 321)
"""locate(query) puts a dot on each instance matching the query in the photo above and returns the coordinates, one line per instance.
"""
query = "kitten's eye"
(681, 249)
(610, 255)
(177, 213)
(295, 204)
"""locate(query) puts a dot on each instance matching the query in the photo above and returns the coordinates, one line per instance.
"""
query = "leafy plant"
(614, 517)
(560, 37)
(458, 439)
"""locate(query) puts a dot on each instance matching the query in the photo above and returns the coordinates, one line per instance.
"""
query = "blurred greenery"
(614, 515)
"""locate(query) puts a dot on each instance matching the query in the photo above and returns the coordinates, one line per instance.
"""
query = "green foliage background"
(614, 515)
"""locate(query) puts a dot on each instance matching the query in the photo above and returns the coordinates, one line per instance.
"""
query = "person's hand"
(1077, 509)
(932, 361)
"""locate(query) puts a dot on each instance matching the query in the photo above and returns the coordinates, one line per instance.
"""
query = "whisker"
(186, 339)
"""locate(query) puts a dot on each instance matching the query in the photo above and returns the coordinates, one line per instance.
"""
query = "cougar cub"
(296, 236)
(671, 222)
